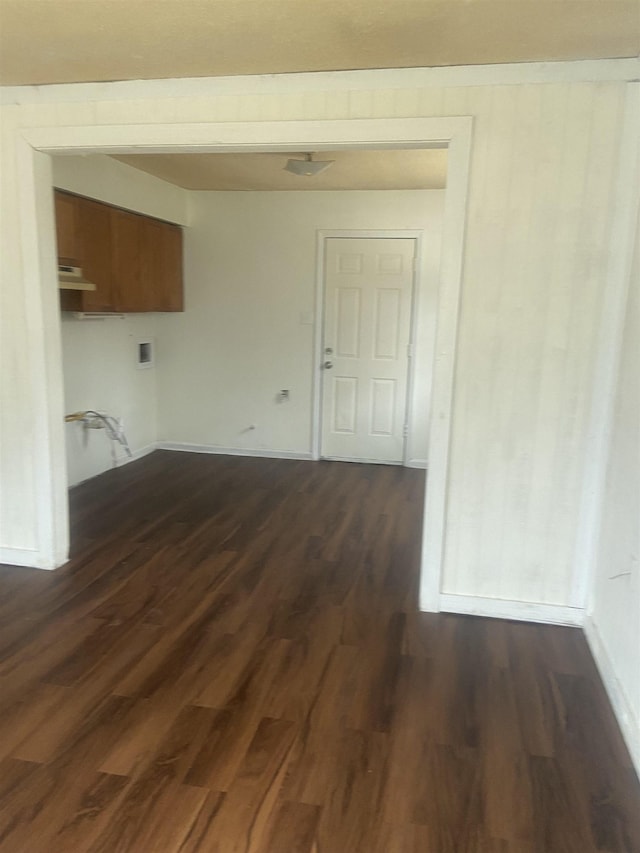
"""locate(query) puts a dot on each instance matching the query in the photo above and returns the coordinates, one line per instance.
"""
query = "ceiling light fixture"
(307, 167)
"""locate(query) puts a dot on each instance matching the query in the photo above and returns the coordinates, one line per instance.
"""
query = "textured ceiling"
(61, 41)
(352, 170)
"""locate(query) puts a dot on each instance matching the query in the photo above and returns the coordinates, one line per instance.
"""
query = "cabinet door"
(66, 209)
(152, 265)
(172, 291)
(95, 254)
(165, 245)
(130, 281)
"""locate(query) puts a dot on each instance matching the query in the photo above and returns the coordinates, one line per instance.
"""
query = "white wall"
(247, 331)
(614, 607)
(99, 356)
(100, 373)
(543, 173)
(100, 177)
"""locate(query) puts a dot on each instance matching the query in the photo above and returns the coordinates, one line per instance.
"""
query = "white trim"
(318, 322)
(417, 463)
(185, 447)
(611, 331)
(445, 350)
(44, 353)
(361, 460)
(512, 73)
(622, 707)
(247, 137)
(416, 286)
(38, 241)
(27, 558)
(522, 611)
(318, 328)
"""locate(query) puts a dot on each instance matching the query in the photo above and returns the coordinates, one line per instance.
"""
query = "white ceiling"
(352, 170)
(61, 41)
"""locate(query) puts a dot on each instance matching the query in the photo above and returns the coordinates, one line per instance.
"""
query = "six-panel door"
(368, 286)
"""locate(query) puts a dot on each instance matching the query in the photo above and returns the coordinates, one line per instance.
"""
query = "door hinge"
(405, 430)
(409, 350)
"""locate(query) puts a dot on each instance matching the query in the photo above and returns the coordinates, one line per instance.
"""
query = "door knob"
(328, 365)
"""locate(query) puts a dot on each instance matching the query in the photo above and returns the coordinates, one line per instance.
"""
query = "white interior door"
(368, 286)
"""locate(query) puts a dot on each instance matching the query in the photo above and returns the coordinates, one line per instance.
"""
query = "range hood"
(72, 278)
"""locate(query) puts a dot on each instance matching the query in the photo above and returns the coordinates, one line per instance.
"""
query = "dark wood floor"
(233, 661)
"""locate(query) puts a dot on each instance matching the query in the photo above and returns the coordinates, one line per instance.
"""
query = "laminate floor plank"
(232, 661)
(243, 820)
(293, 828)
(504, 761)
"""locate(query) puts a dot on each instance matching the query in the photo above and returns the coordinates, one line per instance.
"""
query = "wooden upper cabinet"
(173, 283)
(95, 254)
(147, 263)
(66, 207)
(163, 268)
(129, 283)
(135, 261)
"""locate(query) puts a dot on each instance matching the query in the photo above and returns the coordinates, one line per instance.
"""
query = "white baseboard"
(361, 461)
(136, 454)
(416, 463)
(522, 611)
(231, 451)
(267, 454)
(26, 557)
(622, 708)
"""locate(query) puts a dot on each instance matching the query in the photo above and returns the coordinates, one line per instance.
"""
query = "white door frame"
(40, 287)
(318, 326)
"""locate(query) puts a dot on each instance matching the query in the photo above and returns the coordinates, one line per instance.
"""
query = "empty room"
(320, 427)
